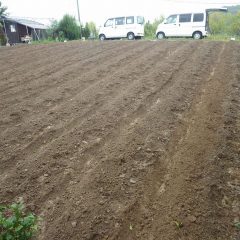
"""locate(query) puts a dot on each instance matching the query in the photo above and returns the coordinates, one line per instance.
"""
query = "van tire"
(102, 37)
(197, 35)
(160, 35)
(130, 36)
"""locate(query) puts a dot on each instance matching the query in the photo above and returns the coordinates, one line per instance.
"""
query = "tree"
(233, 9)
(2, 10)
(2, 14)
(86, 31)
(69, 27)
(89, 30)
(93, 30)
(52, 31)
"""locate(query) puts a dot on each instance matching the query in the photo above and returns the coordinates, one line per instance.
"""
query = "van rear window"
(185, 17)
(140, 20)
(198, 17)
(130, 20)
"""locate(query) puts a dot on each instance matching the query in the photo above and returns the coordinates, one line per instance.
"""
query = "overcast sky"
(99, 10)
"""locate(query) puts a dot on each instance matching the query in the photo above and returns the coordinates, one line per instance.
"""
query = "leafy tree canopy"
(2, 10)
(69, 27)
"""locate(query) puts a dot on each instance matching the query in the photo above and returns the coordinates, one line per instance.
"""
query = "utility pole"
(79, 20)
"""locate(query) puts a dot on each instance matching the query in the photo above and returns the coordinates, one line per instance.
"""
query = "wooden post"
(36, 34)
(27, 30)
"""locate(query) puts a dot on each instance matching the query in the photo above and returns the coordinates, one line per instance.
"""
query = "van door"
(198, 22)
(140, 25)
(130, 23)
(120, 27)
(185, 25)
(109, 28)
(170, 26)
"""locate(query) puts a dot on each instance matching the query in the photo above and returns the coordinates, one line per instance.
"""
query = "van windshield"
(140, 20)
(171, 19)
(109, 23)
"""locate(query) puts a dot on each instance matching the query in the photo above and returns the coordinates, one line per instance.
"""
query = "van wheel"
(160, 35)
(130, 36)
(102, 37)
(197, 35)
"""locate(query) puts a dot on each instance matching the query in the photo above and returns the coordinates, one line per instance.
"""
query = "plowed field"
(128, 140)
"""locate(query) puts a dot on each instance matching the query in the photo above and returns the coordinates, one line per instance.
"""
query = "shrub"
(225, 23)
(150, 28)
(86, 31)
(15, 224)
(69, 27)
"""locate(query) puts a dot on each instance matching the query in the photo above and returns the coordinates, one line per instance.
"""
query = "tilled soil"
(123, 139)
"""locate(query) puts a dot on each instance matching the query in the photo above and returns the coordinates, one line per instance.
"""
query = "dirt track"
(121, 140)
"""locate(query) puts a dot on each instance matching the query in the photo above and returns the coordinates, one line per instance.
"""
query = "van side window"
(198, 17)
(140, 20)
(130, 20)
(185, 18)
(171, 19)
(120, 21)
(109, 23)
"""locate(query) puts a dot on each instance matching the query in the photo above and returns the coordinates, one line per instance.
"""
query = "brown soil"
(123, 140)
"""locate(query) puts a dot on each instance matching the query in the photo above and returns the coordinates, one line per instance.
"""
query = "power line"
(79, 20)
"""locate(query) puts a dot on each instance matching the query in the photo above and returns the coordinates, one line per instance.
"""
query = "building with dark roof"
(17, 30)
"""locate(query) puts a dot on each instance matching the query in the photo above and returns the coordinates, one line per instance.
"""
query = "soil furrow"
(123, 140)
(89, 110)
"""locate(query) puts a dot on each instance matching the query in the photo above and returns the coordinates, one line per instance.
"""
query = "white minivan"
(130, 27)
(191, 24)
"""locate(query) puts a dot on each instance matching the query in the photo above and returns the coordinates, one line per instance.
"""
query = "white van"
(130, 27)
(191, 24)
